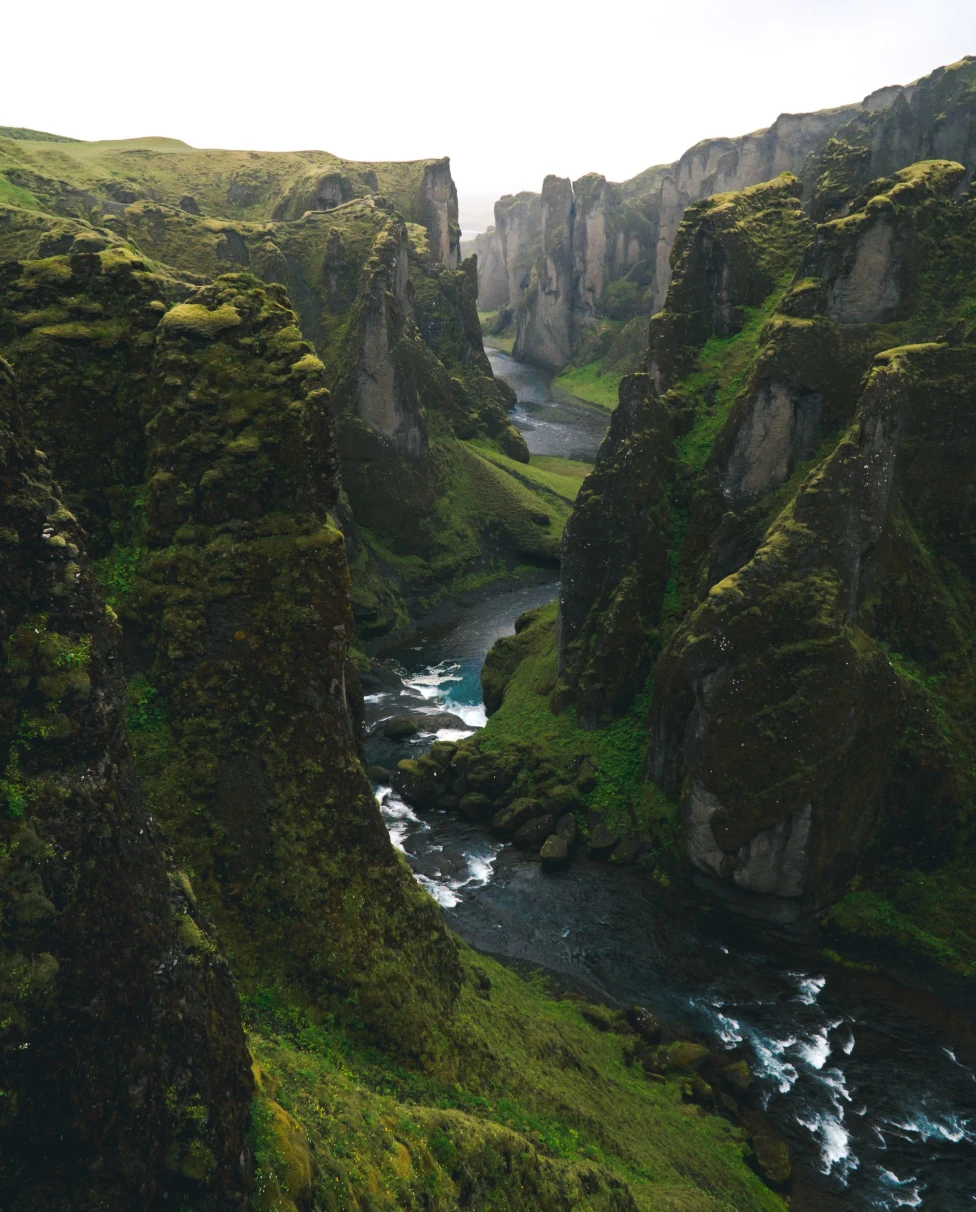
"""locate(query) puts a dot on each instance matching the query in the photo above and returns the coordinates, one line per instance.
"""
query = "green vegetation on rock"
(773, 546)
(534, 1107)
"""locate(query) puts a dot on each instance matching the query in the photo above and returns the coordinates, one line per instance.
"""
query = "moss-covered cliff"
(766, 600)
(193, 430)
(389, 312)
(124, 1078)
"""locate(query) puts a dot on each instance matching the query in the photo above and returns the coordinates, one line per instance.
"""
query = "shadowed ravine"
(875, 1103)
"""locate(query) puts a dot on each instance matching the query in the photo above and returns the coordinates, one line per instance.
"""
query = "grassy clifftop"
(71, 176)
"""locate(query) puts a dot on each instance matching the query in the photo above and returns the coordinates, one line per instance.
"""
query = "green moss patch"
(530, 1106)
(590, 383)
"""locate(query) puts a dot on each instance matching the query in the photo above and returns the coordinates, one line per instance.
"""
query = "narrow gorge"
(491, 731)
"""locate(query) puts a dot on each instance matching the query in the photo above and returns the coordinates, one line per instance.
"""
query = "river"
(878, 1104)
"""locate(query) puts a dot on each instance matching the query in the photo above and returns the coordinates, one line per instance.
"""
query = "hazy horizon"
(509, 105)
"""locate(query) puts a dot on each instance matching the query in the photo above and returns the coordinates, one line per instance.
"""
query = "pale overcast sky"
(510, 91)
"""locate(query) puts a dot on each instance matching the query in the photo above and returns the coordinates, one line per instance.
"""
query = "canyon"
(696, 763)
(575, 270)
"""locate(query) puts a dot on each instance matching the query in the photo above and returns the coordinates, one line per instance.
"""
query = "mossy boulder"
(554, 852)
(518, 813)
(533, 833)
(683, 1056)
(773, 1158)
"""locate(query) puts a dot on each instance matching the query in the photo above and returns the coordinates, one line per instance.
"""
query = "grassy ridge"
(533, 1107)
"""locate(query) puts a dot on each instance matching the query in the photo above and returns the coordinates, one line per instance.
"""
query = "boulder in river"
(602, 841)
(531, 835)
(434, 721)
(399, 727)
(518, 813)
(554, 852)
(378, 774)
(419, 782)
(476, 807)
(567, 829)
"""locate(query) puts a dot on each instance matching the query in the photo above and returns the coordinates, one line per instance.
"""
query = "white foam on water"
(729, 1029)
(453, 734)
(443, 893)
(770, 1061)
(906, 1192)
(472, 714)
(399, 818)
(375, 698)
(447, 892)
(835, 1081)
(480, 868)
(808, 987)
(956, 1061)
(836, 1156)
(950, 1128)
(814, 1049)
(429, 683)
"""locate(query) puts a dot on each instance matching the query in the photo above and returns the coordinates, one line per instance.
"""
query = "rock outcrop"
(396, 329)
(615, 240)
(767, 579)
(507, 251)
(124, 1073)
(211, 493)
(246, 593)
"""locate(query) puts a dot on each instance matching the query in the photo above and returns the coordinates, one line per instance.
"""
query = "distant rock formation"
(590, 251)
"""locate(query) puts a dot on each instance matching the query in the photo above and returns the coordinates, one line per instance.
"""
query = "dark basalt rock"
(532, 835)
(397, 727)
(517, 814)
(476, 807)
(125, 1075)
(567, 829)
(602, 841)
(554, 852)
(646, 1024)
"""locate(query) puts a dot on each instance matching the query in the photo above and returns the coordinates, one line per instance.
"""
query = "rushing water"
(879, 1108)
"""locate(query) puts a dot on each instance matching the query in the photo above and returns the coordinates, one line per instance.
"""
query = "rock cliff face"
(767, 578)
(122, 1061)
(246, 593)
(396, 328)
(615, 241)
(213, 491)
(507, 251)
(935, 118)
(731, 253)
